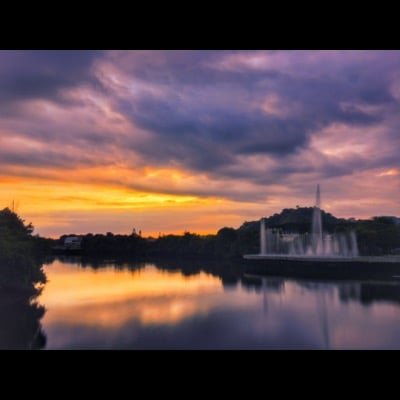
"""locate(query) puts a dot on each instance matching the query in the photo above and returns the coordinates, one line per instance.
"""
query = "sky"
(174, 141)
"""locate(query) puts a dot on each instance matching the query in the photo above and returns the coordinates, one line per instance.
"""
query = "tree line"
(21, 253)
(376, 236)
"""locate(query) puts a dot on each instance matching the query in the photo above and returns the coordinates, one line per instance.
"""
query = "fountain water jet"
(263, 241)
(317, 244)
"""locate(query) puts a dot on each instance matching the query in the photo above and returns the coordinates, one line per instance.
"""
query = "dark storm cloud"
(41, 74)
(323, 100)
(184, 67)
(207, 116)
(209, 138)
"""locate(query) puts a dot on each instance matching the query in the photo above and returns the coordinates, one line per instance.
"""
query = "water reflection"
(20, 327)
(179, 305)
(348, 315)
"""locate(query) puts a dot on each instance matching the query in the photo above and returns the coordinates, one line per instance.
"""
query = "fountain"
(314, 247)
(317, 244)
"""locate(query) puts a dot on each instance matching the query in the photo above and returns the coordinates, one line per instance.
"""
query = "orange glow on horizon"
(59, 199)
(91, 188)
(116, 198)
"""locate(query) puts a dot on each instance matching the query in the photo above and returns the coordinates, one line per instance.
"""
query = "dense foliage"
(20, 253)
(20, 271)
(20, 321)
(379, 235)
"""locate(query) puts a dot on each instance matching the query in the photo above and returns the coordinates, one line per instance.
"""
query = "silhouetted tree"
(20, 264)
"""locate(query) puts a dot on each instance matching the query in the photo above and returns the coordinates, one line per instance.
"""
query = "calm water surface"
(144, 307)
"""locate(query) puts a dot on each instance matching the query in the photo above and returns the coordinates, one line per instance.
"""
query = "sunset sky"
(174, 141)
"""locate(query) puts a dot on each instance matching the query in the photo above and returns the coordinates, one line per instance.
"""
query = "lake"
(151, 306)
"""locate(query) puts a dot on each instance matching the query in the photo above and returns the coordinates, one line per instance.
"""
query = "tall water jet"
(354, 244)
(316, 228)
(317, 244)
(263, 239)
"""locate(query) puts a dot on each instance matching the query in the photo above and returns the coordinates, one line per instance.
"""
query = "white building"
(72, 242)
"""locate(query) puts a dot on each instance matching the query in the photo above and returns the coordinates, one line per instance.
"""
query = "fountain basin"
(316, 267)
(324, 258)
